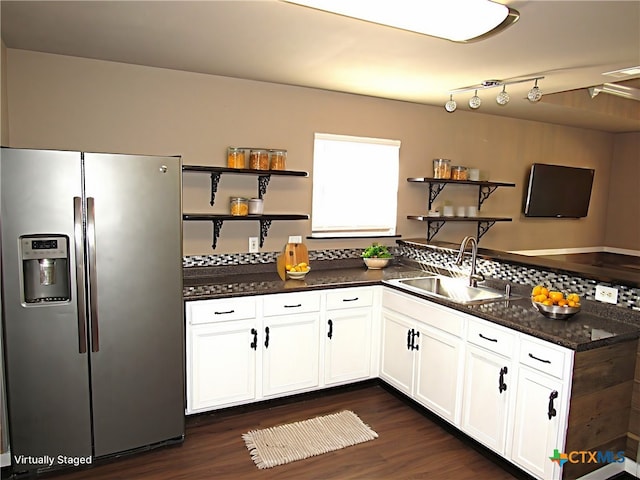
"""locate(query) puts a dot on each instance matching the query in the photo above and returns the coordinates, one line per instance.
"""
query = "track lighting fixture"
(451, 105)
(503, 98)
(535, 93)
(475, 101)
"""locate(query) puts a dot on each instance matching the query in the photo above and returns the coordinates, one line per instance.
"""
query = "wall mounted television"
(558, 191)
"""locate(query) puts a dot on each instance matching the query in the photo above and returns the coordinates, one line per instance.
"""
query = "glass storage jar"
(256, 206)
(259, 159)
(278, 159)
(236, 158)
(441, 168)
(238, 206)
(459, 173)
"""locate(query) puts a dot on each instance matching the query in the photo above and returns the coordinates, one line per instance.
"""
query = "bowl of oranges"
(297, 271)
(555, 304)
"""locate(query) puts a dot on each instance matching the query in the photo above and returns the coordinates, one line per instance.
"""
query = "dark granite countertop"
(595, 326)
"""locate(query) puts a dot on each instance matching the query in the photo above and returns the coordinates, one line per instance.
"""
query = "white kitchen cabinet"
(291, 343)
(223, 365)
(489, 383)
(422, 352)
(221, 350)
(439, 375)
(397, 356)
(541, 406)
(348, 335)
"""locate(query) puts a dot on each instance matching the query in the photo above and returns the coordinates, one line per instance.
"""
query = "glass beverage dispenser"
(45, 268)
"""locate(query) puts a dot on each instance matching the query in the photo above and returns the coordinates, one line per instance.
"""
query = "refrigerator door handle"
(81, 293)
(93, 286)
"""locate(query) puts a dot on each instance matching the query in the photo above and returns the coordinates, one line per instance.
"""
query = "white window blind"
(355, 186)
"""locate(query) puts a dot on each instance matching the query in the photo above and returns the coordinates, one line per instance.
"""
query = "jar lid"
(238, 199)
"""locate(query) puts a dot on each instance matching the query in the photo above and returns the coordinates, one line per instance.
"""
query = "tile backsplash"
(628, 297)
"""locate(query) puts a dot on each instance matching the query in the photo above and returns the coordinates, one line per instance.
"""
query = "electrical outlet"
(253, 245)
(606, 294)
(295, 239)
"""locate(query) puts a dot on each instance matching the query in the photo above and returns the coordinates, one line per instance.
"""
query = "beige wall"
(623, 212)
(4, 108)
(62, 102)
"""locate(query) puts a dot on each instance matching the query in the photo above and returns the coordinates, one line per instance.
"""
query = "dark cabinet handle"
(266, 337)
(413, 339)
(254, 344)
(488, 338)
(552, 411)
(350, 299)
(330, 334)
(409, 339)
(293, 306)
(531, 355)
(224, 313)
(501, 385)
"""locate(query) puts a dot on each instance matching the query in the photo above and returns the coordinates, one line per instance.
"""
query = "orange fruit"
(536, 290)
(556, 296)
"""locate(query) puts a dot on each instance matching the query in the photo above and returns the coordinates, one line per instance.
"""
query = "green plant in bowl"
(376, 256)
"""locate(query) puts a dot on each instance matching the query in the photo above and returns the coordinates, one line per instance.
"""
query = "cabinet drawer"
(349, 298)
(289, 303)
(220, 310)
(546, 358)
(493, 338)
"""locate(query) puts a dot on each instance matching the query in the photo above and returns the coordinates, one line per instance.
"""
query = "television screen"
(558, 191)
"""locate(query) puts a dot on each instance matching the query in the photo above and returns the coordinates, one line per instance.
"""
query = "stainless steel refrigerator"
(92, 304)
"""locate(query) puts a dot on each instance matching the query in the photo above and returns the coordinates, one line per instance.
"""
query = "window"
(355, 186)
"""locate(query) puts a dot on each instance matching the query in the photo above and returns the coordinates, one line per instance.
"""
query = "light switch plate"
(253, 245)
(606, 294)
(295, 239)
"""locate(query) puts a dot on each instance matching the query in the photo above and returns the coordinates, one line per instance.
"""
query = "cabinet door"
(290, 360)
(439, 375)
(539, 410)
(221, 364)
(485, 404)
(348, 345)
(397, 354)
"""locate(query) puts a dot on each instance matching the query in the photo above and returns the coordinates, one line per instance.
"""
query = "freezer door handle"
(81, 293)
(92, 273)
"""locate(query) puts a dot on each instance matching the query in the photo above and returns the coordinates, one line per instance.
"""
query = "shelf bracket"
(217, 226)
(483, 227)
(433, 226)
(215, 178)
(434, 191)
(264, 229)
(484, 192)
(263, 181)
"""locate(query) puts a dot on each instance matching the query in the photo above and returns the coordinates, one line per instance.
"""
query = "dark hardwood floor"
(411, 445)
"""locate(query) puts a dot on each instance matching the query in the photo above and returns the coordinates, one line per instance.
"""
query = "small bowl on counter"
(556, 312)
(376, 263)
(294, 275)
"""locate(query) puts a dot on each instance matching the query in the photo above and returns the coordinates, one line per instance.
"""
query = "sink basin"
(454, 290)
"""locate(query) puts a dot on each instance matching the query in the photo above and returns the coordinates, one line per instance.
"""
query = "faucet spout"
(473, 276)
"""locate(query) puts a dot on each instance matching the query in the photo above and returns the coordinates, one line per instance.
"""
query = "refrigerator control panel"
(36, 247)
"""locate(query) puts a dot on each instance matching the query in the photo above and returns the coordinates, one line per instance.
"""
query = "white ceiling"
(570, 43)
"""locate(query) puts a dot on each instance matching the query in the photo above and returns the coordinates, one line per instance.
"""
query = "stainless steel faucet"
(473, 276)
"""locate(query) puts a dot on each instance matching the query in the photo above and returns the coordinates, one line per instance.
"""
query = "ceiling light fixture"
(534, 95)
(614, 89)
(455, 20)
(503, 97)
(451, 105)
(475, 101)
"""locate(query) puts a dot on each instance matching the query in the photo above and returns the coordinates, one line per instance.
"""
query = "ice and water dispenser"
(45, 268)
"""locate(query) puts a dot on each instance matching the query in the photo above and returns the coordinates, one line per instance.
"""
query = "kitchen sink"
(454, 290)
